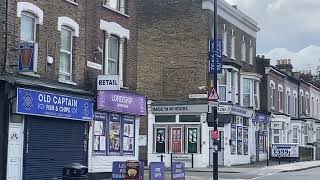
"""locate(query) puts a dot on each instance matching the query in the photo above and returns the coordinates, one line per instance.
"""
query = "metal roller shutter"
(50, 144)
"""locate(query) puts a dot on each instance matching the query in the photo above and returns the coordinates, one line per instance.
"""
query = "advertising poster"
(99, 132)
(118, 170)
(157, 171)
(245, 141)
(233, 139)
(239, 142)
(114, 134)
(176, 138)
(128, 135)
(178, 171)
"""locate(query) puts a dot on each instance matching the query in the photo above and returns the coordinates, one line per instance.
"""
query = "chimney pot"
(285, 61)
(278, 62)
(262, 56)
(289, 61)
(258, 56)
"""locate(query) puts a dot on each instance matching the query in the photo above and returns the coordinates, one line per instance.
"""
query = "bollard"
(161, 157)
(191, 160)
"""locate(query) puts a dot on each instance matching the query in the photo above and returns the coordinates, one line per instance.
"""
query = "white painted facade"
(103, 163)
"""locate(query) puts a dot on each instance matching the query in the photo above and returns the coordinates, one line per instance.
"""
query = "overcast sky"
(289, 29)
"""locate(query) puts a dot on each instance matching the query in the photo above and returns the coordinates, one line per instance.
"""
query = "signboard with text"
(285, 150)
(156, 171)
(219, 56)
(118, 170)
(108, 82)
(178, 171)
(41, 103)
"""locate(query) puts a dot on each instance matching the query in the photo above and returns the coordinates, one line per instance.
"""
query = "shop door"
(176, 140)
(220, 149)
(50, 144)
(161, 140)
(15, 152)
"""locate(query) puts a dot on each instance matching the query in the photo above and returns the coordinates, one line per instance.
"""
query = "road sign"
(198, 96)
(213, 103)
(213, 95)
(215, 134)
(219, 56)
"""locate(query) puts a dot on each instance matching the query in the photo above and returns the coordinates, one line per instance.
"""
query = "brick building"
(173, 46)
(51, 54)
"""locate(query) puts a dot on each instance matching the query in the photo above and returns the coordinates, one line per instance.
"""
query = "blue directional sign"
(219, 56)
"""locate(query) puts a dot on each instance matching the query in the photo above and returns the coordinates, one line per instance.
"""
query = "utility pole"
(215, 84)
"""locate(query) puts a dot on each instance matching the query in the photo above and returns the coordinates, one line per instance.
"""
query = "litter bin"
(75, 171)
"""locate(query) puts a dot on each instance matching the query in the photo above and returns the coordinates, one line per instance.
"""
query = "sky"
(290, 29)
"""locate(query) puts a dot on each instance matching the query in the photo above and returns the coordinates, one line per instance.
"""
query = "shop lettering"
(122, 99)
(239, 110)
(171, 108)
(157, 172)
(64, 101)
(108, 82)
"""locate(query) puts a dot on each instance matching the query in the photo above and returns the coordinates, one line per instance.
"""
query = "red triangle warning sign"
(213, 95)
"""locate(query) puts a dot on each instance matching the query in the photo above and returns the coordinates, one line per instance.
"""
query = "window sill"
(72, 2)
(114, 10)
(68, 82)
(30, 74)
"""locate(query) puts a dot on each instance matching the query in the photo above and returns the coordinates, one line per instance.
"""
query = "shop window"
(192, 140)
(189, 118)
(165, 118)
(245, 140)
(318, 135)
(305, 134)
(233, 139)
(239, 140)
(160, 139)
(114, 135)
(295, 135)
(176, 140)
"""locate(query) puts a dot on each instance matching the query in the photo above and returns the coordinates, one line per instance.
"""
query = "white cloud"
(305, 59)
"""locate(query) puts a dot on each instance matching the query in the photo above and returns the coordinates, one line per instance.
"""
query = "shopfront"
(47, 131)
(235, 135)
(114, 132)
(177, 131)
(261, 136)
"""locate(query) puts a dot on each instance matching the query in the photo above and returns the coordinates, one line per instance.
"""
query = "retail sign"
(177, 109)
(219, 56)
(118, 170)
(235, 110)
(121, 102)
(40, 103)
(288, 150)
(261, 118)
(156, 171)
(27, 57)
(276, 125)
(132, 170)
(178, 171)
(108, 82)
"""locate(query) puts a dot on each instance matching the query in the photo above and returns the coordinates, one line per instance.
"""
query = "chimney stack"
(285, 66)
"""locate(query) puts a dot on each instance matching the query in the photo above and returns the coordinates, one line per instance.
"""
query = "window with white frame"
(305, 134)
(251, 53)
(288, 101)
(273, 94)
(247, 92)
(301, 102)
(113, 55)
(243, 49)
(225, 42)
(318, 134)
(65, 71)
(233, 87)
(233, 44)
(118, 5)
(256, 96)
(295, 103)
(312, 107)
(276, 135)
(223, 85)
(28, 27)
(317, 109)
(295, 135)
(307, 103)
(280, 89)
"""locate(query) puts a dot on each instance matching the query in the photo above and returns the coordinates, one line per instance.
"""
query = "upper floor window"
(247, 92)
(243, 49)
(251, 53)
(312, 107)
(256, 95)
(273, 94)
(250, 93)
(113, 55)
(301, 102)
(280, 89)
(295, 135)
(65, 71)
(28, 27)
(233, 44)
(295, 103)
(225, 42)
(307, 103)
(118, 5)
(288, 98)
(68, 30)
(223, 85)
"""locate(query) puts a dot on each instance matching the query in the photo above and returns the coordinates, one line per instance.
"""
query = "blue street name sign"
(219, 56)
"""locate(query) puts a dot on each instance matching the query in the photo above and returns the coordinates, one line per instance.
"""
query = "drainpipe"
(5, 54)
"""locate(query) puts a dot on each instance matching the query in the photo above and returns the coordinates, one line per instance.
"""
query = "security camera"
(202, 88)
(99, 49)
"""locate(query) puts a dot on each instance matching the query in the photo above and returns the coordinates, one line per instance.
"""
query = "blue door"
(50, 144)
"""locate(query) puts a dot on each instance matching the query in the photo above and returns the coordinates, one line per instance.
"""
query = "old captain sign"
(108, 82)
(40, 103)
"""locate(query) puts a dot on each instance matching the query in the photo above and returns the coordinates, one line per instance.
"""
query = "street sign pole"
(215, 82)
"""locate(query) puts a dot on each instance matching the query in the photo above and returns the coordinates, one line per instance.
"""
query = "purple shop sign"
(122, 102)
(118, 170)
(157, 171)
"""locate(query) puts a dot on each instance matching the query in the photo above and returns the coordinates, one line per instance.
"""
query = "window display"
(239, 140)
(128, 134)
(99, 136)
(245, 141)
(114, 135)
(233, 139)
